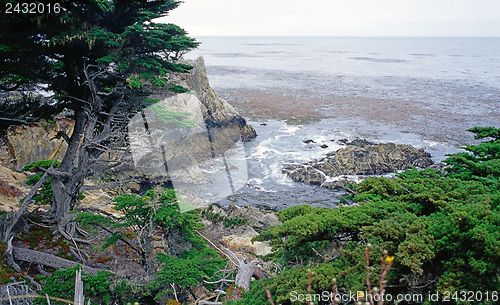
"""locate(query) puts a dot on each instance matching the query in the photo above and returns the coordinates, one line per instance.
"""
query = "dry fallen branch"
(203, 302)
(42, 258)
(245, 270)
(219, 281)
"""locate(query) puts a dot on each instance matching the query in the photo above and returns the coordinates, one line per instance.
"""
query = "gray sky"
(338, 17)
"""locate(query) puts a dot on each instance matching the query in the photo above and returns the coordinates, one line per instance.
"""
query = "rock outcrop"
(359, 157)
(218, 114)
(23, 144)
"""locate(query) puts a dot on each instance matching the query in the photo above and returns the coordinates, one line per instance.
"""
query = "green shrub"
(442, 227)
(45, 194)
(61, 284)
(228, 222)
(35, 166)
(178, 89)
(187, 266)
(187, 270)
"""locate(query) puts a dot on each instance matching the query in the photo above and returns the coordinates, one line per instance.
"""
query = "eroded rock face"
(185, 133)
(12, 189)
(359, 157)
(28, 143)
(218, 113)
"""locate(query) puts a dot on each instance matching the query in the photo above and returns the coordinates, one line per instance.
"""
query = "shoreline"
(434, 124)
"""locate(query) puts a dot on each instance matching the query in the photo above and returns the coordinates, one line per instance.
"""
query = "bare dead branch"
(46, 259)
(12, 219)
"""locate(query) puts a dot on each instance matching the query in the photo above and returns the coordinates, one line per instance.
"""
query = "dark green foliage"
(120, 36)
(442, 227)
(97, 288)
(187, 270)
(231, 222)
(228, 222)
(480, 162)
(485, 132)
(45, 194)
(178, 89)
(35, 166)
(162, 209)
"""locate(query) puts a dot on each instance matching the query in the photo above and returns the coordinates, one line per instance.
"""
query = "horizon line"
(344, 36)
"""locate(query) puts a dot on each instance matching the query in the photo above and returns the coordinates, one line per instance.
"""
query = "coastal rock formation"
(218, 114)
(23, 144)
(359, 157)
(184, 130)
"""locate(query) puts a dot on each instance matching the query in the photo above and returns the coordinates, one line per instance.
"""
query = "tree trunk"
(63, 197)
(66, 188)
(92, 132)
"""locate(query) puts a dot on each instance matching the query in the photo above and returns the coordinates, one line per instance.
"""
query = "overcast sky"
(338, 17)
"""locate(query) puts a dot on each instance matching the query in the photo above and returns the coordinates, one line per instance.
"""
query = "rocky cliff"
(218, 113)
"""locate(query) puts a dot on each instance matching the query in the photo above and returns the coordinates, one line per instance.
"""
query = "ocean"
(420, 91)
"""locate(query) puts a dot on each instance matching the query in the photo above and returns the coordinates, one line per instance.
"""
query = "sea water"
(445, 84)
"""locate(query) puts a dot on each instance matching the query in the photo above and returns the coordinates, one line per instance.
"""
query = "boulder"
(99, 199)
(359, 157)
(254, 217)
(242, 243)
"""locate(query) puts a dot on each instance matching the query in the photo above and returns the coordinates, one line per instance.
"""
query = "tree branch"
(12, 219)
(42, 258)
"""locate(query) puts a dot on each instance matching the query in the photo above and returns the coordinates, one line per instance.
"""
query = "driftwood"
(78, 298)
(46, 259)
(246, 271)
